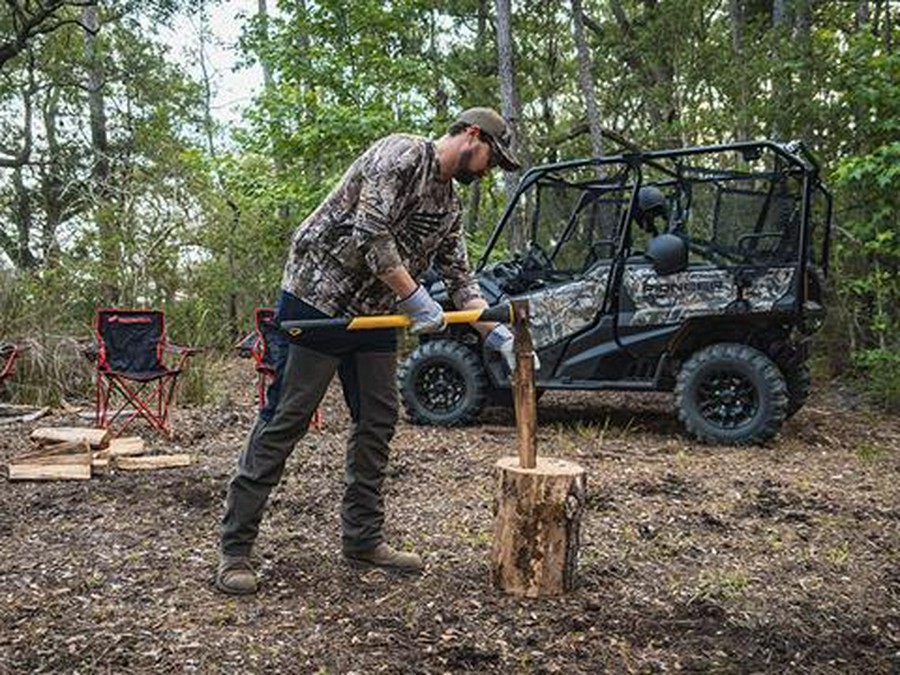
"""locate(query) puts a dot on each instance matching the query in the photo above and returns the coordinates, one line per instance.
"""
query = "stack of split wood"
(74, 453)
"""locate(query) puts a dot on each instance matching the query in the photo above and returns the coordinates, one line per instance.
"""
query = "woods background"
(119, 186)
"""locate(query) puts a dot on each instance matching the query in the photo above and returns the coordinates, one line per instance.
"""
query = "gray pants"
(370, 390)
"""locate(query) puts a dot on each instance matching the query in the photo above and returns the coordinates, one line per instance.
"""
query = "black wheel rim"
(727, 398)
(440, 388)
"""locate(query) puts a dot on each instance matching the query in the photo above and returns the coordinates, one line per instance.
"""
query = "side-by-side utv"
(699, 271)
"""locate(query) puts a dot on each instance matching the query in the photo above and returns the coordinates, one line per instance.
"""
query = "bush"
(878, 372)
(50, 371)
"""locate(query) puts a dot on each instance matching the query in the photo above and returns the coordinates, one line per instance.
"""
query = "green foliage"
(204, 233)
(868, 186)
(879, 373)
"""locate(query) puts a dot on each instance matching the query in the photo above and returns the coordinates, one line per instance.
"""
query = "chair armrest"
(246, 346)
(183, 353)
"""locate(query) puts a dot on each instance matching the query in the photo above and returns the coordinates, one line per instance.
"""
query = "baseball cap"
(498, 134)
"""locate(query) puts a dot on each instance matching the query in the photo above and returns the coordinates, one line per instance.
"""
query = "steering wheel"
(537, 258)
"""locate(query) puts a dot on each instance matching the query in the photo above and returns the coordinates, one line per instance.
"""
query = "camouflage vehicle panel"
(670, 299)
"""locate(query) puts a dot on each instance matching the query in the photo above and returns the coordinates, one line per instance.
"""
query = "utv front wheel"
(442, 383)
(731, 393)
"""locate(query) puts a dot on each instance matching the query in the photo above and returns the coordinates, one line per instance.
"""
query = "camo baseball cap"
(498, 134)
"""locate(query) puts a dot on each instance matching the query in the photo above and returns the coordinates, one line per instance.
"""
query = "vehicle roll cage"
(797, 159)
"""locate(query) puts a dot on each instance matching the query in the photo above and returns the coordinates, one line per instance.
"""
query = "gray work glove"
(427, 316)
(501, 340)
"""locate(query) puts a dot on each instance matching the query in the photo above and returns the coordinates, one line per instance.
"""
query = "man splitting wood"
(393, 215)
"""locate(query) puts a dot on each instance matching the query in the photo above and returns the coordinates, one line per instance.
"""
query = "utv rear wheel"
(731, 393)
(442, 383)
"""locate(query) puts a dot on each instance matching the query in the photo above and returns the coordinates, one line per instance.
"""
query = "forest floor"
(784, 558)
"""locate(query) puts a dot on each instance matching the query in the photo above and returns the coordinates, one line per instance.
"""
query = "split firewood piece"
(53, 467)
(97, 438)
(55, 449)
(127, 446)
(153, 462)
(100, 463)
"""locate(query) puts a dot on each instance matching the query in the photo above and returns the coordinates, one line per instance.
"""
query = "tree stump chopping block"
(537, 524)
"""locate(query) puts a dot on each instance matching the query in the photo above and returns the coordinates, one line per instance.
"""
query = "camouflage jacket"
(389, 209)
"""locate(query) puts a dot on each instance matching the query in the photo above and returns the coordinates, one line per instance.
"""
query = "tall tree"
(738, 28)
(509, 104)
(233, 225)
(104, 215)
(586, 79)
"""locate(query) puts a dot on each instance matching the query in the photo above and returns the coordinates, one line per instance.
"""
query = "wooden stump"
(536, 526)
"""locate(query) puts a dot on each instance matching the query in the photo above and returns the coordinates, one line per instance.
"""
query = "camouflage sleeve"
(387, 173)
(452, 263)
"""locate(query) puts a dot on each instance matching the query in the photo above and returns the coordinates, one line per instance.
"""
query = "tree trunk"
(586, 79)
(262, 13)
(51, 183)
(862, 14)
(100, 171)
(19, 249)
(509, 107)
(441, 98)
(888, 29)
(780, 89)
(736, 12)
(209, 127)
(473, 208)
(805, 90)
(24, 258)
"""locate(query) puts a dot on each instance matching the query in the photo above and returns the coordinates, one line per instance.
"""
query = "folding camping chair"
(261, 346)
(129, 361)
(8, 355)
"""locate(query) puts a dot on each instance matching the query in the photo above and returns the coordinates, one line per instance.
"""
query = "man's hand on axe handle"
(499, 338)
(426, 315)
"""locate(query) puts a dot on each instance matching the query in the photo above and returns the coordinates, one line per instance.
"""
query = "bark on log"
(537, 525)
(98, 438)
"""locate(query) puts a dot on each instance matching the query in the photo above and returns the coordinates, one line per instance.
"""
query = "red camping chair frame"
(151, 393)
(8, 355)
(263, 320)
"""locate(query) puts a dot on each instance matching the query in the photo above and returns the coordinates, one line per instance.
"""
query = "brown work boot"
(388, 558)
(236, 576)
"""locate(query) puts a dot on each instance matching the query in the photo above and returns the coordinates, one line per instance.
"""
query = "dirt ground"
(694, 558)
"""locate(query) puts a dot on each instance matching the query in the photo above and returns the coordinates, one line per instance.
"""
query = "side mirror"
(668, 253)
